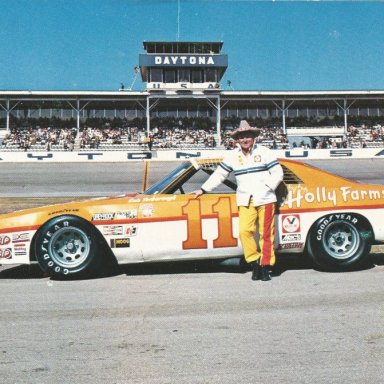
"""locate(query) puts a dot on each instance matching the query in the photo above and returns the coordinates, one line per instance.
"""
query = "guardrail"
(172, 155)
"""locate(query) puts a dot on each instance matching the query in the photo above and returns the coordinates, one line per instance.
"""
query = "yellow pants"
(264, 217)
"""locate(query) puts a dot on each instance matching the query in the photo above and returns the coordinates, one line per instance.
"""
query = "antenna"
(178, 21)
(136, 70)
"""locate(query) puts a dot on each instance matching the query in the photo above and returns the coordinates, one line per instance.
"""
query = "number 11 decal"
(222, 211)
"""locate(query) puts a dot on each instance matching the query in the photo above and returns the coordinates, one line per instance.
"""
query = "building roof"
(193, 47)
(224, 94)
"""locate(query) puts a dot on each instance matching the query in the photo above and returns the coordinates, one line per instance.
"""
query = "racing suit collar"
(250, 152)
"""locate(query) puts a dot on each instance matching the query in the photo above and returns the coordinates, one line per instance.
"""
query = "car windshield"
(188, 177)
(171, 182)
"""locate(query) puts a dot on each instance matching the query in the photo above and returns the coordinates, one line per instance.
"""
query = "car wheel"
(66, 247)
(340, 241)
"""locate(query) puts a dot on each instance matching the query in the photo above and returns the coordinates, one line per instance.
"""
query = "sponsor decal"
(119, 215)
(134, 200)
(257, 159)
(159, 198)
(291, 245)
(120, 243)
(131, 214)
(63, 211)
(119, 230)
(147, 210)
(20, 249)
(103, 216)
(44, 247)
(335, 196)
(152, 199)
(331, 218)
(6, 253)
(291, 237)
(112, 230)
(4, 240)
(131, 230)
(290, 223)
(20, 237)
(347, 193)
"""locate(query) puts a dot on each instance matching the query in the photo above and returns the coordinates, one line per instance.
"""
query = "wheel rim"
(341, 240)
(69, 247)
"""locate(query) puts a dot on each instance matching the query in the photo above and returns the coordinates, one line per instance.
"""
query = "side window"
(195, 182)
(290, 177)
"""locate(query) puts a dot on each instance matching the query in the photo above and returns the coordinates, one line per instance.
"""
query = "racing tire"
(66, 247)
(340, 241)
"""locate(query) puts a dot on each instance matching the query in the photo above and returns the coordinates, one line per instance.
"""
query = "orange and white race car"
(332, 219)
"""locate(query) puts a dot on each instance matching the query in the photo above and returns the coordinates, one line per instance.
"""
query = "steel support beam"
(345, 108)
(148, 116)
(148, 112)
(77, 109)
(7, 108)
(217, 106)
(8, 111)
(283, 109)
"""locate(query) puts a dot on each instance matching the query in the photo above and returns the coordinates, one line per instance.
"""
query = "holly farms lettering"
(297, 196)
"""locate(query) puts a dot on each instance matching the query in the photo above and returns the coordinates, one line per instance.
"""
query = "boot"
(264, 273)
(256, 271)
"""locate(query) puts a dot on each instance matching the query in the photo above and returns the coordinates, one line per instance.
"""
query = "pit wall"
(172, 155)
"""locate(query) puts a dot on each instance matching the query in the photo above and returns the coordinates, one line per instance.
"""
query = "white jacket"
(257, 175)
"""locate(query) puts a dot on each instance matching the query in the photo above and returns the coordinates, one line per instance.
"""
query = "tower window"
(184, 75)
(196, 76)
(211, 75)
(156, 75)
(170, 76)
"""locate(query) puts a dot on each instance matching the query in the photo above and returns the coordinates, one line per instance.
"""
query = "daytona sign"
(183, 60)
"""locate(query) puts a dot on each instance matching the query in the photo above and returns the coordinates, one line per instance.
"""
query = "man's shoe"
(256, 271)
(264, 273)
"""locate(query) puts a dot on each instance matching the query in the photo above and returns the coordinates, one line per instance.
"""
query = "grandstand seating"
(133, 138)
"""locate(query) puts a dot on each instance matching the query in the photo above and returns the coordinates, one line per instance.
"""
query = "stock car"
(329, 218)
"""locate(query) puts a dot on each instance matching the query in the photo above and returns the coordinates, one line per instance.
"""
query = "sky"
(271, 45)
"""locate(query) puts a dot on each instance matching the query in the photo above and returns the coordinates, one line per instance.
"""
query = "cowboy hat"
(244, 127)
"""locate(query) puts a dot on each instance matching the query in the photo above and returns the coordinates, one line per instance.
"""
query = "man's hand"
(197, 193)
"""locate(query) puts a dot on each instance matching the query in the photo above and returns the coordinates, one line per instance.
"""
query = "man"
(258, 174)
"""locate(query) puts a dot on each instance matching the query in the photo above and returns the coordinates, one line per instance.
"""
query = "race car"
(333, 220)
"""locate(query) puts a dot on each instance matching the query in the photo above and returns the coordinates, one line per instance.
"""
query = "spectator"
(170, 134)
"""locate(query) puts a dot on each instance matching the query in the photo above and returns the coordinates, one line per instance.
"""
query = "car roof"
(298, 170)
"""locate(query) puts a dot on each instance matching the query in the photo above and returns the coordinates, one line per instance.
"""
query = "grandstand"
(184, 105)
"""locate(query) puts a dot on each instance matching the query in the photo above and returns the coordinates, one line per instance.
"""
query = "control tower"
(183, 66)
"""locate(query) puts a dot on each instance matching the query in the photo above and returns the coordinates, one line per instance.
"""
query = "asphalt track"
(183, 323)
(100, 179)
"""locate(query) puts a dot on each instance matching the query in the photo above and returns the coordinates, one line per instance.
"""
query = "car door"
(174, 227)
